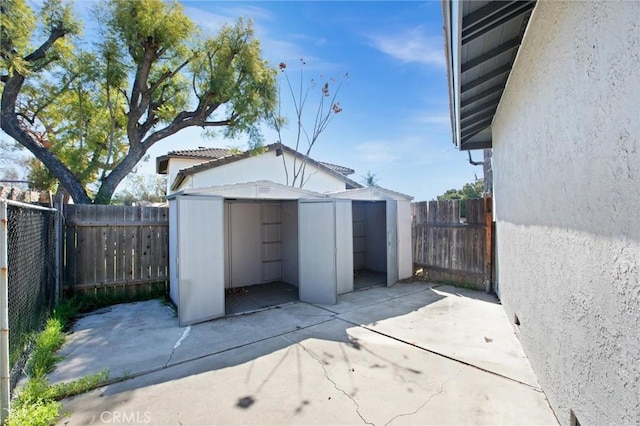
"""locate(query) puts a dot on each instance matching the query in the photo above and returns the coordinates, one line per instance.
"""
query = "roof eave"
(477, 75)
(452, 17)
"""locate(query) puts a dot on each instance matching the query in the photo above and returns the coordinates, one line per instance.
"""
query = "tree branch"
(169, 74)
(474, 163)
(41, 51)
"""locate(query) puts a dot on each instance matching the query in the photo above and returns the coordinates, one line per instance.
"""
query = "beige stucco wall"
(265, 166)
(567, 204)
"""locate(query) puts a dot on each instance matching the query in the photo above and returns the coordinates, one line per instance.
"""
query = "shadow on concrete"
(282, 344)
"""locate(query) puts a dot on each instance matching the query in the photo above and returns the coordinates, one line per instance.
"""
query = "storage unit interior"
(261, 254)
(369, 244)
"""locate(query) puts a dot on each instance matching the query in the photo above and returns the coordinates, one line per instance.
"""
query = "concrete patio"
(410, 354)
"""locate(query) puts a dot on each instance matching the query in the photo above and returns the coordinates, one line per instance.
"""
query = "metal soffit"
(488, 35)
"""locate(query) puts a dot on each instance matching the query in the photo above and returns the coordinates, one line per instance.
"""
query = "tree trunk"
(11, 125)
(487, 169)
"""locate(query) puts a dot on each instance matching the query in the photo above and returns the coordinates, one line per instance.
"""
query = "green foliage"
(370, 179)
(37, 401)
(146, 188)
(91, 112)
(88, 302)
(17, 24)
(85, 384)
(43, 357)
(469, 190)
(34, 414)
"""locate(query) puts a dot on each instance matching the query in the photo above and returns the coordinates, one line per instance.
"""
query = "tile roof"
(201, 152)
(340, 169)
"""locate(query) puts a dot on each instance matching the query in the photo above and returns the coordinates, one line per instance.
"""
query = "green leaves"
(146, 26)
(89, 116)
(17, 23)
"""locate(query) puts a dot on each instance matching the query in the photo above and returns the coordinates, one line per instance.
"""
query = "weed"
(88, 302)
(459, 284)
(43, 357)
(37, 403)
(65, 390)
(36, 414)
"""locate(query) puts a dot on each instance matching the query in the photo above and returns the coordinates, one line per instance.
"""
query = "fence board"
(448, 248)
(116, 247)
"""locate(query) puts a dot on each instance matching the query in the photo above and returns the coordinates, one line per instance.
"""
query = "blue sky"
(395, 118)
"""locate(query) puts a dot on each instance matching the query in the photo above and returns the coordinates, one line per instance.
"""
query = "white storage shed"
(381, 230)
(223, 239)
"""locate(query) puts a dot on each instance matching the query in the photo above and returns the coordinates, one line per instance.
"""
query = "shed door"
(200, 259)
(317, 252)
(392, 242)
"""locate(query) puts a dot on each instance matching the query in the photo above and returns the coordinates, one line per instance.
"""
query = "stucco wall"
(177, 164)
(266, 166)
(567, 202)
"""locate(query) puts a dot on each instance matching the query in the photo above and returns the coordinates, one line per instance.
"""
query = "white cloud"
(412, 45)
(378, 152)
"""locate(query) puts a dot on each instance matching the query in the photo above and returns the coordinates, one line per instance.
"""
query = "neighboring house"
(554, 89)
(205, 167)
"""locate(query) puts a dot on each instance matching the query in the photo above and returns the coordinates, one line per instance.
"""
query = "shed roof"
(481, 40)
(276, 147)
(373, 193)
(258, 190)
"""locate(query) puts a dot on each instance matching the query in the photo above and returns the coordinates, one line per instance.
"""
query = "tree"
(306, 134)
(487, 169)
(90, 116)
(370, 179)
(469, 190)
(140, 187)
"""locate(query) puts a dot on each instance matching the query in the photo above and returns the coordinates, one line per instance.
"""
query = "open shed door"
(392, 242)
(200, 261)
(317, 267)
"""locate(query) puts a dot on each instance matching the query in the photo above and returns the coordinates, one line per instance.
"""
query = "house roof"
(340, 169)
(216, 162)
(481, 41)
(162, 162)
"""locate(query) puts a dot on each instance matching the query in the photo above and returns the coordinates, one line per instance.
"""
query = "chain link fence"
(31, 254)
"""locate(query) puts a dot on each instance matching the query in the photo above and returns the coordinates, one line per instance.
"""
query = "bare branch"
(474, 163)
(169, 74)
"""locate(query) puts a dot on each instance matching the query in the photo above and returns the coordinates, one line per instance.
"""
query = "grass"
(89, 302)
(38, 403)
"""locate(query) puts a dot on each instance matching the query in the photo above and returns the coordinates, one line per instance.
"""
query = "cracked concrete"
(335, 385)
(373, 358)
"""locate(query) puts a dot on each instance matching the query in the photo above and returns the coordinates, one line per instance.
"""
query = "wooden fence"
(450, 249)
(109, 247)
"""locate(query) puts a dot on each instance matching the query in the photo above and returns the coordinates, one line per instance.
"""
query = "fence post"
(4, 316)
(488, 259)
(58, 204)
